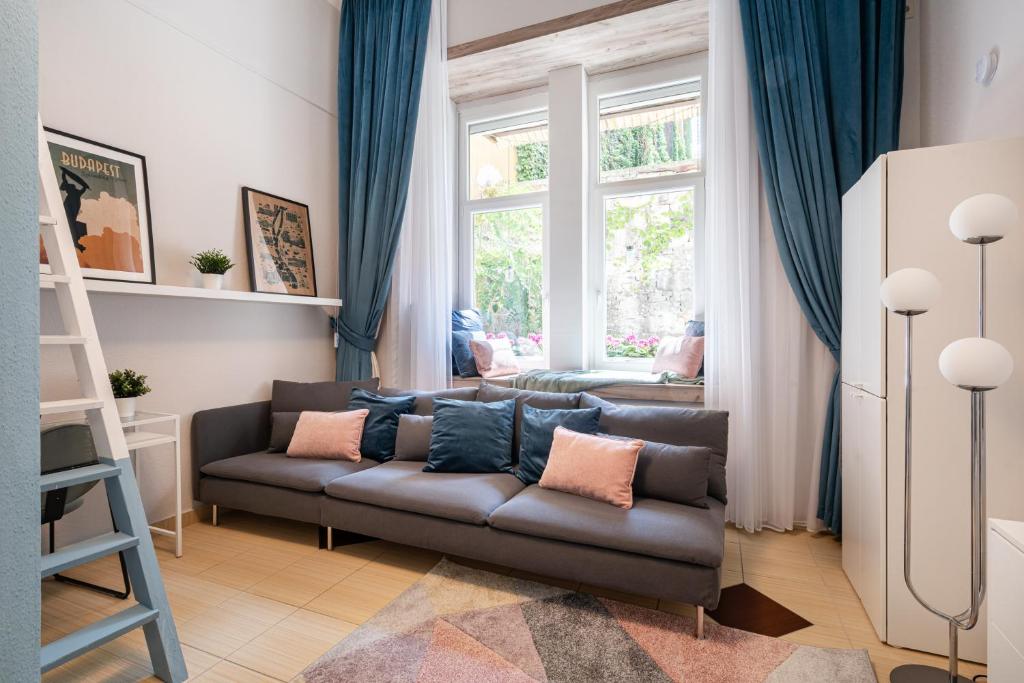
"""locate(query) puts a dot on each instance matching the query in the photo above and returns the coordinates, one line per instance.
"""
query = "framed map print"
(106, 200)
(280, 247)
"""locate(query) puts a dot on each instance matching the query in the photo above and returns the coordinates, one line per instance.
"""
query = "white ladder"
(132, 538)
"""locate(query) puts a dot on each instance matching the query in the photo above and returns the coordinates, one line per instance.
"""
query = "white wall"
(473, 19)
(954, 34)
(215, 96)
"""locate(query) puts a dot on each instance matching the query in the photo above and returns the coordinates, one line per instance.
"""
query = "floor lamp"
(974, 364)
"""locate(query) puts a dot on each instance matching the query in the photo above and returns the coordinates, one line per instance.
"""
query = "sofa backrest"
(670, 425)
(425, 399)
(294, 397)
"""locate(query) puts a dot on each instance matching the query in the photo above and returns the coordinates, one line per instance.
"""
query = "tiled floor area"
(255, 600)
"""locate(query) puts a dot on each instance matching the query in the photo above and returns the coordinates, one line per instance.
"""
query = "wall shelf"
(142, 289)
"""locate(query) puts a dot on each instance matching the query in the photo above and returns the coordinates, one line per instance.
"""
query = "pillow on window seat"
(463, 362)
(494, 357)
(681, 355)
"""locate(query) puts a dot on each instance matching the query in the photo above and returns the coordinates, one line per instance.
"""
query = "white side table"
(139, 437)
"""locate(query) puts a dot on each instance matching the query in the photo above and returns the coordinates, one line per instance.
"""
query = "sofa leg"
(216, 522)
(700, 623)
(330, 538)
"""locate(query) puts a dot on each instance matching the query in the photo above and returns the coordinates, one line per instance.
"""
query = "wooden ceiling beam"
(609, 11)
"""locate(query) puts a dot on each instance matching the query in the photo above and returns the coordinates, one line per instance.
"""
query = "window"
(508, 156)
(503, 212)
(646, 201)
(651, 133)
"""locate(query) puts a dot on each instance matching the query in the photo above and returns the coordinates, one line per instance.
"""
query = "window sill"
(662, 393)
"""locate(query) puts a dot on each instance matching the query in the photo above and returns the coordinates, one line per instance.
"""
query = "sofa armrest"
(221, 433)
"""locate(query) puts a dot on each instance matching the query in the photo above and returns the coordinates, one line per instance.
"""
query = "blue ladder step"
(79, 475)
(85, 551)
(94, 635)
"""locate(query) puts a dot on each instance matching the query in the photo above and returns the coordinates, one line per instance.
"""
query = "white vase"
(213, 280)
(126, 407)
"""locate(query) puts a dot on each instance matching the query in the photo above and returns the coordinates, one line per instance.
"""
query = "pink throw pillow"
(494, 357)
(592, 467)
(332, 436)
(681, 355)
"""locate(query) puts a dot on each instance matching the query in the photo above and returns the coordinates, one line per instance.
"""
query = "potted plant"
(127, 386)
(212, 263)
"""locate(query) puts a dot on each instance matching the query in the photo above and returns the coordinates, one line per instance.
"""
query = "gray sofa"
(659, 548)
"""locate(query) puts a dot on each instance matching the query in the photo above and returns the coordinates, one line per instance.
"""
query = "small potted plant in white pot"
(212, 263)
(128, 385)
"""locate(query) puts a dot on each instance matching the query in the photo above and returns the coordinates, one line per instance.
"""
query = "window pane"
(512, 159)
(507, 274)
(648, 270)
(651, 134)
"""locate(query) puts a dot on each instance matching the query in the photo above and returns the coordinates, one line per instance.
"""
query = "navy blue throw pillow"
(538, 431)
(381, 426)
(469, 436)
(463, 361)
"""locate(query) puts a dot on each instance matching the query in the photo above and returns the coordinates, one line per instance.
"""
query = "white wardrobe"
(897, 216)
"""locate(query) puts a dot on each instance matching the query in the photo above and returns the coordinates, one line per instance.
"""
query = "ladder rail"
(122, 489)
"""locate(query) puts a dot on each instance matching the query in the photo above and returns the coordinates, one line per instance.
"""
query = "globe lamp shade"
(976, 363)
(983, 218)
(910, 291)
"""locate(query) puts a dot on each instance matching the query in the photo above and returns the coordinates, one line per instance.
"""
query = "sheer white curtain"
(413, 351)
(764, 364)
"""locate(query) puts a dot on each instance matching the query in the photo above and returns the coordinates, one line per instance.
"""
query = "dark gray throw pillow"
(538, 431)
(381, 426)
(282, 426)
(472, 437)
(413, 440)
(673, 426)
(326, 397)
(678, 474)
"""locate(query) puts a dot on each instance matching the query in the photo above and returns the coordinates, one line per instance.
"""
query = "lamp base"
(919, 673)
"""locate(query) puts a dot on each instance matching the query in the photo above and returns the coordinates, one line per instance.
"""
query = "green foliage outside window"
(507, 250)
(531, 161)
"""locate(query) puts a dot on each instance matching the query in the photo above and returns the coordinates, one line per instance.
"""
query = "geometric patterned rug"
(459, 624)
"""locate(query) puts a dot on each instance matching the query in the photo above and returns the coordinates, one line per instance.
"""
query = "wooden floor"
(254, 600)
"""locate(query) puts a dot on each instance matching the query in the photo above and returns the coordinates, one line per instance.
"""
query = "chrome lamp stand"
(976, 365)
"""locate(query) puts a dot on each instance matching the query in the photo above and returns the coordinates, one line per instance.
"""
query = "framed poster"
(106, 200)
(280, 246)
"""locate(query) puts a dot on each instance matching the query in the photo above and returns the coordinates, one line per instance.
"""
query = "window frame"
(617, 83)
(470, 114)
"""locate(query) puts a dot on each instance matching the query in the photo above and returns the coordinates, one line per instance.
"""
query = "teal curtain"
(826, 82)
(381, 49)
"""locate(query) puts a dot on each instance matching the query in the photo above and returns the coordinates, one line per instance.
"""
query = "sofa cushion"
(468, 498)
(472, 437)
(655, 528)
(595, 467)
(328, 397)
(277, 469)
(673, 426)
(490, 393)
(425, 399)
